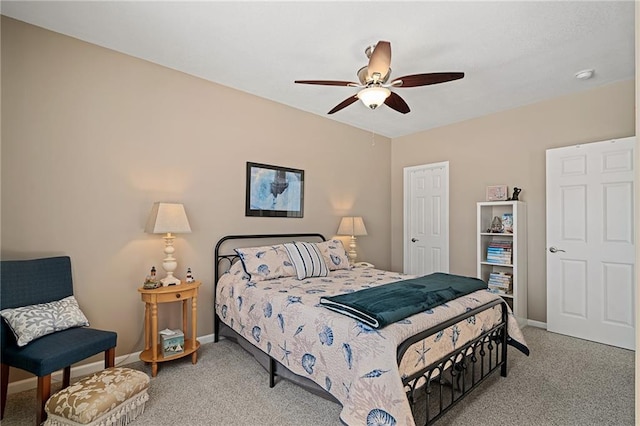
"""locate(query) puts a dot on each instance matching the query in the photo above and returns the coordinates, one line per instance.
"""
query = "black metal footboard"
(437, 388)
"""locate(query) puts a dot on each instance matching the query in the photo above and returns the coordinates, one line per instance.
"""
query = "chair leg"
(4, 378)
(66, 377)
(44, 392)
(110, 357)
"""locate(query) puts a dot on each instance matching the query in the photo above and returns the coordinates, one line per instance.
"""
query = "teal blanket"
(382, 305)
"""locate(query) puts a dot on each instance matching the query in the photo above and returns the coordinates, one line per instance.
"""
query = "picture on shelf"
(497, 193)
(507, 222)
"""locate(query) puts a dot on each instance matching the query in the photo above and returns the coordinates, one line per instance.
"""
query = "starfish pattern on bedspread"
(354, 362)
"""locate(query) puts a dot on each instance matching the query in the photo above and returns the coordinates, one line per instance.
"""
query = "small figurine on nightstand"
(189, 278)
(151, 281)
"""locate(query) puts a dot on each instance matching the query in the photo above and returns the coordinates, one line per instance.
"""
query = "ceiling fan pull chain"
(373, 135)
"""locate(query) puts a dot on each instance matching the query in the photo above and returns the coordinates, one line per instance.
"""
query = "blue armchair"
(30, 282)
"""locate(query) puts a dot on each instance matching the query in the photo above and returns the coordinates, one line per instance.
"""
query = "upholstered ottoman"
(115, 396)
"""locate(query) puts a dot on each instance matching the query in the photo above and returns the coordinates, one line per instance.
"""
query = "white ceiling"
(513, 53)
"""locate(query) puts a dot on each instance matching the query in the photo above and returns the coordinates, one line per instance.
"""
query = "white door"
(426, 219)
(590, 242)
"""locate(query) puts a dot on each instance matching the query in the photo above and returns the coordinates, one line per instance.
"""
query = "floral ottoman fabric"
(115, 396)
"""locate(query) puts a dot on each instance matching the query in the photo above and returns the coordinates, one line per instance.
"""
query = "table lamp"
(352, 226)
(168, 218)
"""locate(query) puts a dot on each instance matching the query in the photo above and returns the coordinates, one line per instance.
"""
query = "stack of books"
(499, 252)
(500, 282)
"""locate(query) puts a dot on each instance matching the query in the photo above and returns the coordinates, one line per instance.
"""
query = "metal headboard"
(229, 257)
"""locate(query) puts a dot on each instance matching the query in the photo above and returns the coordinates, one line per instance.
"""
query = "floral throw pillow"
(334, 254)
(266, 263)
(33, 321)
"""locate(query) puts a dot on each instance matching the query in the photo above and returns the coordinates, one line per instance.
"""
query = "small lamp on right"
(352, 226)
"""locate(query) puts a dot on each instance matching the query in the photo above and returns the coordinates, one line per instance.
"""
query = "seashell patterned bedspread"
(355, 363)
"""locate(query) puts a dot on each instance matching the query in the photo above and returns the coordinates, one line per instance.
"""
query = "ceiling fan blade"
(344, 104)
(394, 101)
(380, 59)
(426, 79)
(328, 82)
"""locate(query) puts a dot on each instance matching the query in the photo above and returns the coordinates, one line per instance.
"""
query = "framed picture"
(497, 193)
(274, 191)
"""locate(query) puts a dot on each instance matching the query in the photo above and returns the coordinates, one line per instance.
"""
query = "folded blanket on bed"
(388, 303)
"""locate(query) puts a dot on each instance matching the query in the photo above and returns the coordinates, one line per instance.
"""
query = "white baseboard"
(83, 370)
(538, 324)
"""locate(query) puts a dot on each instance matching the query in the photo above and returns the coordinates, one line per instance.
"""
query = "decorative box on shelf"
(172, 342)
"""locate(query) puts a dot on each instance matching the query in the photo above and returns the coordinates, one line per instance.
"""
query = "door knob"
(555, 250)
(413, 240)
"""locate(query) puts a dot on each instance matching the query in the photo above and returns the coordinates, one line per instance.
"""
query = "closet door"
(426, 219)
(590, 242)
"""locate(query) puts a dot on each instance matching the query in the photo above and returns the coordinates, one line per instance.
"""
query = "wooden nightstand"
(151, 297)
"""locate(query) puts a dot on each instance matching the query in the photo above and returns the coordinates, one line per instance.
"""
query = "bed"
(411, 371)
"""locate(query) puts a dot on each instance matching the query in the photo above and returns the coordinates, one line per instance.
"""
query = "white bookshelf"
(486, 211)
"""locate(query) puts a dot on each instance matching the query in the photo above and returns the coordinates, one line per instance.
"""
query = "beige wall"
(91, 138)
(508, 148)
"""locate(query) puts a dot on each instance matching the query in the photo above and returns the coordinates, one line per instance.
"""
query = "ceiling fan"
(373, 81)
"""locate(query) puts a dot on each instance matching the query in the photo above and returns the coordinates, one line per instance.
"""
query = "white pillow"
(334, 254)
(266, 263)
(307, 260)
(237, 268)
(30, 322)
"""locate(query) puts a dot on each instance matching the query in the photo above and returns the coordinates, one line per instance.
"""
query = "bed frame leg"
(216, 328)
(272, 372)
(503, 367)
(503, 336)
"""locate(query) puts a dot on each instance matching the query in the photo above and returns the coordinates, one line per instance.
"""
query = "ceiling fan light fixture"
(374, 96)
(373, 80)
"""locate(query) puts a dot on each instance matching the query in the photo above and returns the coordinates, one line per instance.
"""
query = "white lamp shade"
(167, 218)
(374, 96)
(352, 225)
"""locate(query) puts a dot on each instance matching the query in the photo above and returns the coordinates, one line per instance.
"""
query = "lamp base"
(170, 280)
(169, 263)
(353, 255)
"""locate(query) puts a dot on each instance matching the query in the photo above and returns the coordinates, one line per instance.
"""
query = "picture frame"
(274, 191)
(497, 193)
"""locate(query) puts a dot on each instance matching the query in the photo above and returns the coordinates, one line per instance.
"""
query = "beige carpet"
(565, 381)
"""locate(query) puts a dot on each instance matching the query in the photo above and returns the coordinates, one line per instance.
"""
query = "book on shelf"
(499, 261)
(500, 280)
(499, 251)
(504, 244)
(498, 290)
